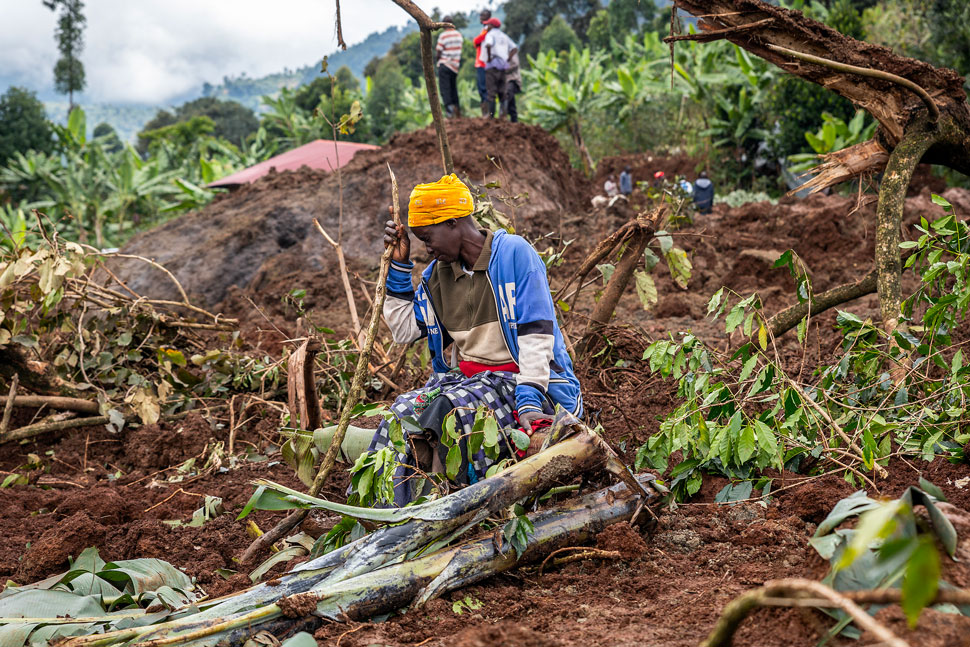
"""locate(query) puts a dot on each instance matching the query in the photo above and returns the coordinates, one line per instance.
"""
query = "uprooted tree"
(922, 113)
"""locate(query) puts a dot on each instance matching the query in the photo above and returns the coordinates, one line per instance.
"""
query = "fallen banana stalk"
(407, 584)
(346, 575)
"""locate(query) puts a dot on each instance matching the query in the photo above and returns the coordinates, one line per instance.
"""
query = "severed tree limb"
(934, 110)
(602, 249)
(719, 34)
(738, 609)
(55, 402)
(427, 64)
(643, 228)
(868, 157)
(311, 592)
(340, 30)
(788, 318)
(43, 427)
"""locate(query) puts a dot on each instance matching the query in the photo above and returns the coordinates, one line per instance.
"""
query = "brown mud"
(115, 491)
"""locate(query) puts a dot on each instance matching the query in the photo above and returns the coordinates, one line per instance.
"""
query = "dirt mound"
(262, 234)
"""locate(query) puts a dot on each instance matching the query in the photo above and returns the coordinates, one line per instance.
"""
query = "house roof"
(317, 154)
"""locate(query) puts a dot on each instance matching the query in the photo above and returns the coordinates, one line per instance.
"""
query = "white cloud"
(149, 51)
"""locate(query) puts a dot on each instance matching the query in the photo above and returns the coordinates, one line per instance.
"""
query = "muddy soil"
(114, 491)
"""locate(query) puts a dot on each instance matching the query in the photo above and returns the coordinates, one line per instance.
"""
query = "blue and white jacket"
(518, 279)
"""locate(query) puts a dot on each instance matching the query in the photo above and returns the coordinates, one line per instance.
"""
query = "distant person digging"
(703, 193)
(485, 294)
(626, 181)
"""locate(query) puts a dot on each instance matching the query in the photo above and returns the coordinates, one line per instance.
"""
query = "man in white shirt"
(497, 49)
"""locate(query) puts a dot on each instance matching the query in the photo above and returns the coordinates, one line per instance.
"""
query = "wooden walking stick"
(353, 396)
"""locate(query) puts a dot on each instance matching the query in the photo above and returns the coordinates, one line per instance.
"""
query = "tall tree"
(69, 71)
(23, 124)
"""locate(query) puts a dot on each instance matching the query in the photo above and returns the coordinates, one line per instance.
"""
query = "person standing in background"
(626, 181)
(496, 50)
(513, 84)
(480, 62)
(448, 58)
(610, 186)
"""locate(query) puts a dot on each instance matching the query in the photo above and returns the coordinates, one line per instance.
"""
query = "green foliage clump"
(798, 107)
(741, 412)
(558, 36)
(23, 124)
(230, 120)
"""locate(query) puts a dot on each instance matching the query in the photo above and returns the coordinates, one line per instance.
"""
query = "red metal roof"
(318, 154)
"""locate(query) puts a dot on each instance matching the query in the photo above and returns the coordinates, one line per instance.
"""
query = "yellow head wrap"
(439, 201)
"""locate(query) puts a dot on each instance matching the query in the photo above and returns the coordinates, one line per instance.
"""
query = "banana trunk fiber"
(430, 522)
(406, 584)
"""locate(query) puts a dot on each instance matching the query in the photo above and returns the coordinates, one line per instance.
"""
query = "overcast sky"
(147, 51)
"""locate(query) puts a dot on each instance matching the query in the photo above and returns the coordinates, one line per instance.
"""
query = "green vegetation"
(742, 413)
(23, 124)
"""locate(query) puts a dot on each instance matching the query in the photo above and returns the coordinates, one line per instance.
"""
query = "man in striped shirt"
(448, 56)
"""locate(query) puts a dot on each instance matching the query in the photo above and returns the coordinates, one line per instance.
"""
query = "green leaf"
(921, 580)
(453, 461)
(646, 289)
(715, 301)
(734, 319)
(747, 444)
(491, 431)
(302, 639)
(680, 266)
(521, 439)
(748, 367)
(606, 269)
(734, 492)
(874, 524)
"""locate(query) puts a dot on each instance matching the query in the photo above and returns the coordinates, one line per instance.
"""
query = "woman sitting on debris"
(487, 295)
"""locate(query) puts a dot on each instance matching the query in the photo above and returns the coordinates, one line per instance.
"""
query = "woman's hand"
(397, 237)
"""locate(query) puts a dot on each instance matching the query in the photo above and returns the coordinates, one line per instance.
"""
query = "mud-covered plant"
(889, 546)
(742, 412)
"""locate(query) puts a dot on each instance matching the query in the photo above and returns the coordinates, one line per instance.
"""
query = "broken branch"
(864, 71)
(737, 610)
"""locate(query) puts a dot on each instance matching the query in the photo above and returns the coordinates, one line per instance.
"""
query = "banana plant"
(136, 184)
(563, 90)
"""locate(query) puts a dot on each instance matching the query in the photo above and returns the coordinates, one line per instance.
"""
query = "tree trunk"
(603, 312)
(577, 134)
(818, 303)
(889, 216)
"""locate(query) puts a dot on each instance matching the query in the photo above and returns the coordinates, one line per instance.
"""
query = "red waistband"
(474, 368)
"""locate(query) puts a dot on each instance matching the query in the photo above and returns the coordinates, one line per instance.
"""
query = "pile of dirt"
(260, 238)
